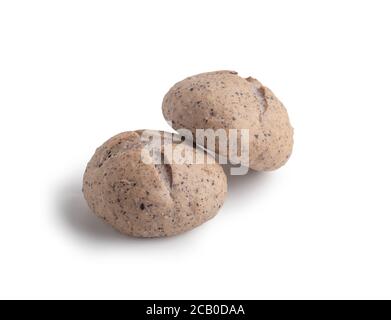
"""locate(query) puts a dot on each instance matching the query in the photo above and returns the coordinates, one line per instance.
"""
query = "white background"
(74, 73)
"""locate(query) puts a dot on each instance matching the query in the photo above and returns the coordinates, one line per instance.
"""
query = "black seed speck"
(142, 206)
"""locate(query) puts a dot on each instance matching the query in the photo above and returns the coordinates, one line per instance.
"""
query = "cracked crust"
(151, 200)
(224, 100)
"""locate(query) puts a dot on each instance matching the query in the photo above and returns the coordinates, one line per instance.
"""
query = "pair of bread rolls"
(139, 196)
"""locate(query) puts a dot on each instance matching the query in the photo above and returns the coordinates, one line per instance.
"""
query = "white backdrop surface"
(74, 73)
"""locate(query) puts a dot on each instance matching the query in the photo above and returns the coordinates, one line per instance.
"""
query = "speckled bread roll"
(152, 200)
(224, 100)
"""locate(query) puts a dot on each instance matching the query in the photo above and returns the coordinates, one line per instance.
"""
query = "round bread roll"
(141, 197)
(224, 100)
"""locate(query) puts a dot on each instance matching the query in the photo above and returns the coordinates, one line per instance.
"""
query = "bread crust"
(151, 200)
(224, 100)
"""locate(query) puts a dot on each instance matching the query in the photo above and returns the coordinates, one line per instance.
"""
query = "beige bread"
(151, 200)
(224, 100)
